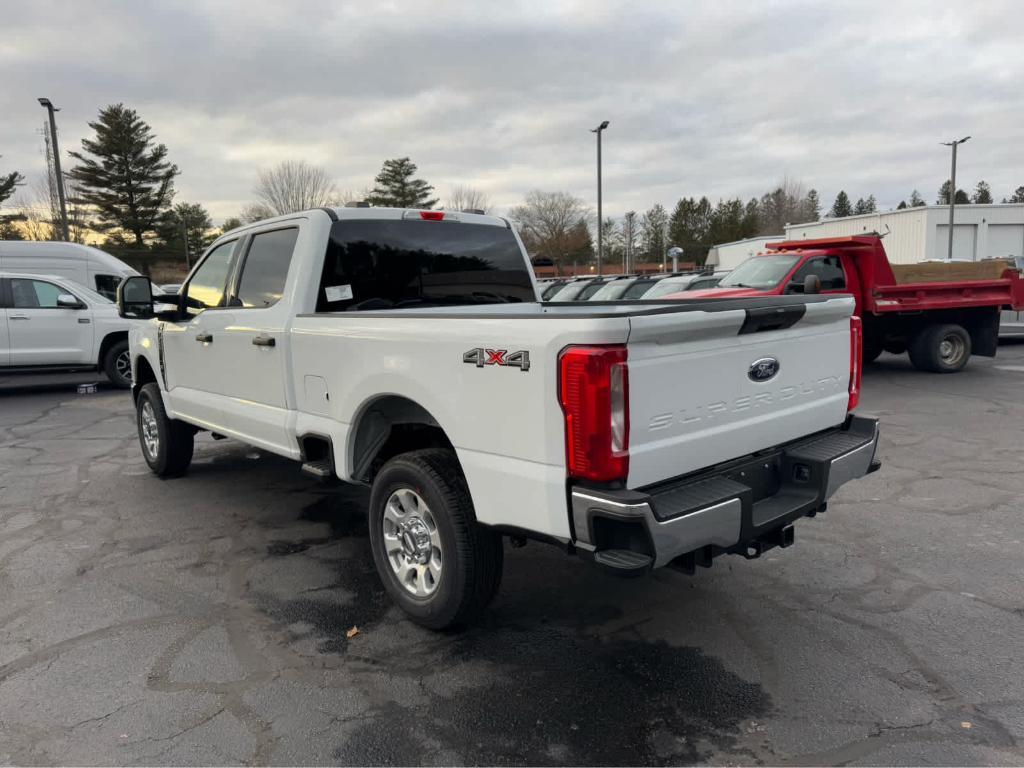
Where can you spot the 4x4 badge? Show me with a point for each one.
(481, 357)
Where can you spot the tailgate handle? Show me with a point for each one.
(772, 318)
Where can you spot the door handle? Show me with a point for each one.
(263, 340)
(205, 338)
(17, 317)
(84, 321)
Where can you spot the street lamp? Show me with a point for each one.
(952, 190)
(600, 221)
(56, 166)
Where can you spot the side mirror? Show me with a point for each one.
(67, 301)
(135, 298)
(812, 284)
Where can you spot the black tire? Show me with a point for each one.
(175, 439)
(872, 349)
(940, 348)
(470, 555)
(114, 365)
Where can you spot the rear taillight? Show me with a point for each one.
(856, 360)
(594, 393)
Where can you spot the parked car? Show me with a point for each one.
(52, 323)
(170, 289)
(614, 289)
(940, 323)
(579, 289)
(407, 350)
(88, 266)
(551, 287)
(677, 283)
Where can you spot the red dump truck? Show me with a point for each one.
(939, 321)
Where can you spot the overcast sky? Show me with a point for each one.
(720, 98)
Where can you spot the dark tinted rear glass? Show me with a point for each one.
(374, 264)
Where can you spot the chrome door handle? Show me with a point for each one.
(263, 340)
(204, 338)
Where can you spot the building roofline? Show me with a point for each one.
(914, 209)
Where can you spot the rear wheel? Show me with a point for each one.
(167, 443)
(117, 364)
(940, 348)
(436, 561)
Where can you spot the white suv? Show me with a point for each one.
(52, 323)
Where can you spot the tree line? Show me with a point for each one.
(122, 187)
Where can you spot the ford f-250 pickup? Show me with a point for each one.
(407, 350)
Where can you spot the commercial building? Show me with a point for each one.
(921, 234)
(731, 255)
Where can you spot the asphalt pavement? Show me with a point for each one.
(206, 620)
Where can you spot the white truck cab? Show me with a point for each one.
(408, 350)
(48, 322)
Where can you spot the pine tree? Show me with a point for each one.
(654, 231)
(123, 175)
(961, 197)
(190, 217)
(916, 201)
(902, 206)
(1017, 196)
(860, 207)
(229, 224)
(751, 223)
(396, 187)
(841, 207)
(982, 193)
(811, 207)
(7, 185)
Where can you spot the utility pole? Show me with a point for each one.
(628, 255)
(184, 229)
(56, 168)
(952, 191)
(600, 221)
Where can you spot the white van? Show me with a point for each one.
(83, 264)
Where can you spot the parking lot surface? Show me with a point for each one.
(205, 619)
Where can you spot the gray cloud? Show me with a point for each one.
(720, 99)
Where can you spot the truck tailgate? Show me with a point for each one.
(700, 392)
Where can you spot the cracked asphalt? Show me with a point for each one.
(203, 620)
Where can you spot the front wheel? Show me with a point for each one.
(117, 364)
(436, 561)
(940, 348)
(167, 443)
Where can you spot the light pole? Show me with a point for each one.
(952, 190)
(56, 167)
(600, 221)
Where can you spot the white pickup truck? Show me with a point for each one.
(407, 350)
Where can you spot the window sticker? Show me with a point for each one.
(338, 292)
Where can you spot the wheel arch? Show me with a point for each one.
(110, 340)
(142, 375)
(386, 426)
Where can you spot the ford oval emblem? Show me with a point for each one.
(763, 369)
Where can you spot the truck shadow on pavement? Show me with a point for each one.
(550, 676)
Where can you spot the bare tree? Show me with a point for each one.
(255, 212)
(290, 186)
(36, 223)
(462, 197)
(549, 224)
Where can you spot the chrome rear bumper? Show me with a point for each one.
(739, 507)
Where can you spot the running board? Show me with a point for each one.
(321, 470)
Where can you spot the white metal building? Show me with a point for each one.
(921, 234)
(731, 255)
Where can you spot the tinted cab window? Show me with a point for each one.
(265, 268)
(829, 270)
(106, 285)
(207, 286)
(383, 264)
